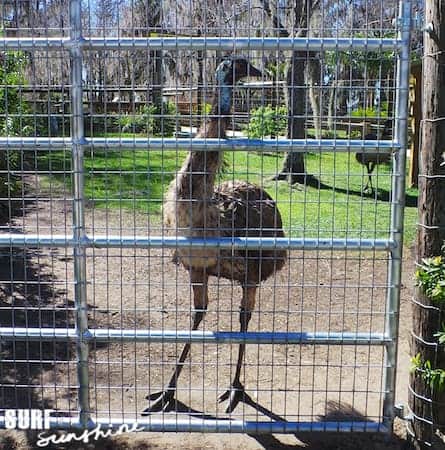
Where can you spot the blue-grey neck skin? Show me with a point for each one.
(224, 99)
(224, 93)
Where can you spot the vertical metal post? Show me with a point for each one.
(397, 210)
(78, 138)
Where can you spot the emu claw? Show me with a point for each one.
(160, 401)
(235, 395)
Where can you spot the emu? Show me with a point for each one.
(195, 207)
(371, 159)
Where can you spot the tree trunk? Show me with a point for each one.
(199, 100)
(157, 78)
(313, 69)
(427, 320)
(431, 230)
(304, 11)
(431, 233)
(293, 163)
(332, 110)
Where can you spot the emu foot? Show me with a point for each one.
(280, 176)
(368, 191)
(160, 401)
(235, 395)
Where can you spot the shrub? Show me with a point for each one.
(381, 113)
(150, 120)
(142, 121)
(166, 124)
(206, 108)
(13, 122)
(434, 378)
(267, 121)
(13, 107)
(430, 277)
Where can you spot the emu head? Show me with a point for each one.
(233, 69)
(228, 73)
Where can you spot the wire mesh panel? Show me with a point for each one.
(231, 179)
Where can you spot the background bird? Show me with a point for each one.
(371, 159)
(194, 207)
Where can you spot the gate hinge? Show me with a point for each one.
(399, 411)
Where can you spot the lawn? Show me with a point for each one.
(136, 180)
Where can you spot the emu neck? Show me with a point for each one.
(216, 126)
(222, 103)
(193, 188)
(196, 179)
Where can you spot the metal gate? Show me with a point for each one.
(301, 357)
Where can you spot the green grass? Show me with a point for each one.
(136, 180)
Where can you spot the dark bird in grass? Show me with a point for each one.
(195, 207)
(371, 159)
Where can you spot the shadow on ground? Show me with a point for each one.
(378, 195)
(31, 297)
(308, 441)
(335, 441)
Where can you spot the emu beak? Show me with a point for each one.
(254, 72)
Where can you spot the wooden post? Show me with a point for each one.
(431, 230)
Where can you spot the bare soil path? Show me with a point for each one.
(142, 289)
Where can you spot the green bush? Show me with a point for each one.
(434, 377)
(206, 108)
(430, 277)
(267, 121)
(142, 121)
(166, 124)
(14, 108)
(381, 113)
(150, 120)
(15, 120)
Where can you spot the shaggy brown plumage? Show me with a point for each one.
(194, 207)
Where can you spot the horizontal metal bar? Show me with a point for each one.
(45, 334)
(239, 144)
(35, 143)
(34, 43)
(204, 43)
(99, 241)
(196, 424)
(221, 337)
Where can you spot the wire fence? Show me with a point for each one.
(123, 220)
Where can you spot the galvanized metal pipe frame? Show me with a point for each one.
(397, 210)
(76, 44)
(79, 256)
(183, 336)
(253, 243)
(232, 144)
(193, 424)
(204, 43)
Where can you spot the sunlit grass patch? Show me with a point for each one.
(133, 179)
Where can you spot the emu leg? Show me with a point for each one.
(235, 393)
(164, 400)
(369, 188)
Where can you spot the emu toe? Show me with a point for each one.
(160, 401)
(368, 190)
(234, 395)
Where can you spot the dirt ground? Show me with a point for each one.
(143, 289)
